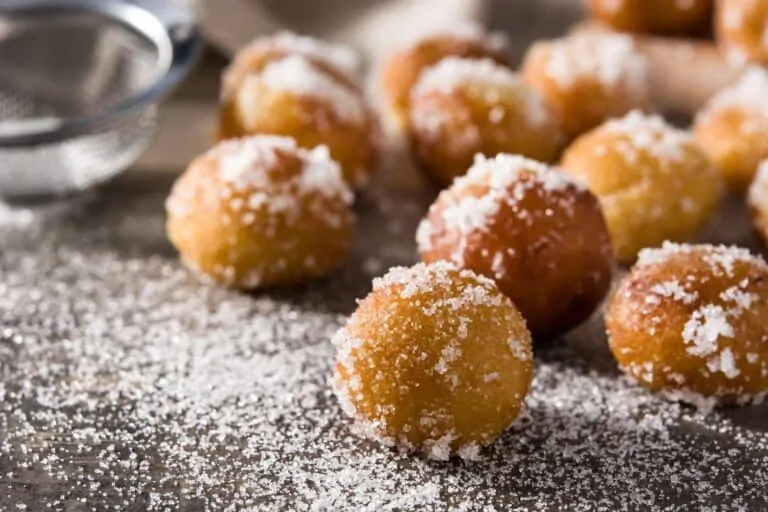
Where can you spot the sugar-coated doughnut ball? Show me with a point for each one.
(741, 28)
(533, 230)
(435, 359)
(402, 69)
(691, 321)
(652, 180)
(758, 200)
(588, 79)
(294, 96)
(733, 128)
(674, 17)
(259, 211)
(462, 107)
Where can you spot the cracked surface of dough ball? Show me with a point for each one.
(434, 359)
(532, 229)
(295, 97)
(402, 69)
(733, 128)
(758, 200)
(259, 211)
(690, 321)
(671, 17)
(741, 28)
(588, 79)
(463, 107)
(653, 182)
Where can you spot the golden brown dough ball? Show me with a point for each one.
(462, 107)
(671, 17)
(588, 79)
(758, 200)
(653, 182)
(537, 233)
(435, 359)
(741, 28)
(402, 69)
(690, 321)
(733, 128)
(259, 211)
(295, 97)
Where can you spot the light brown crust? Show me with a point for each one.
(402, 69)
(585, 99)
(668, 17)
(451, 124)
(736, 149)
(547, 249)
(434, 359)
(653, 182)
(741, 28)
(254, 236)
(692, 321)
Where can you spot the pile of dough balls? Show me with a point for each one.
(307, 90)
(742, 30)
(532, 229)
(260, 211)
(588, 79)
(438, 358)
(653, 181)
(435, 359)
(404, 67)
(733, 128)
(691, 321)
(670, 17)
(463, 107)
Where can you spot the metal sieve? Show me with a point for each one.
(79, 86)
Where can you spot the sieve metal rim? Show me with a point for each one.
(169, 25)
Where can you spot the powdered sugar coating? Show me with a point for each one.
(339, 59)
(747, 96)
(715, 296)
(454, 73)
(650, 134)
(508, 178)
(342, 58)
(612, 60)
(721, 257)
(297, 75)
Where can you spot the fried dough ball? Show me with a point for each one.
(294, 96)
(259, 211)
(758, 200)
(671, 17)
(741, 28)
(462, 107)
(653, 182)
(733, 128)
(435, 359)
(690, 321)
(537, 233)
(402, 69)
(588, 79)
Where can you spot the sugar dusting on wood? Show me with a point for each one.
(125, 383)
